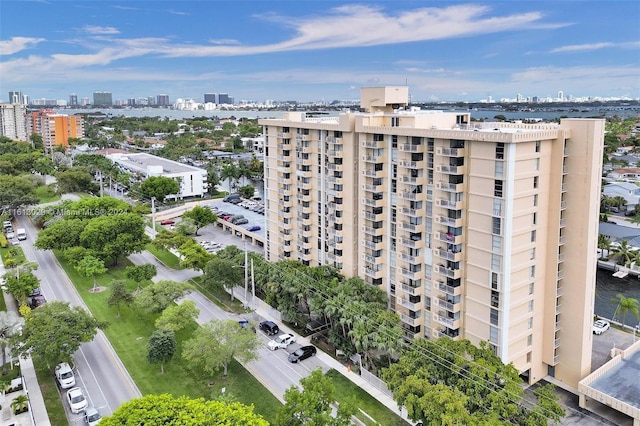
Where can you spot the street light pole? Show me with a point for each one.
(246, 274)
(253, 287)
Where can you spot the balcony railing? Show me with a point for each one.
(411, 243)
(450, 152)
(411, 148)
(410, 259)
(410, 289)
(412, 212)
(453, 291)
(370, 172)
(448, 255)
(454, 170)
(446, 305)
(409, 305)
(406, 195)
(410, 320)
(410, 226)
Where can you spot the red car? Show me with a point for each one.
(168, 222)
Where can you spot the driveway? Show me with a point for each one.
(603, 343)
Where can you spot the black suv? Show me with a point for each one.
(269, 327)
(302, 353)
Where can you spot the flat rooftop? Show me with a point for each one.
(622, 381)
(142, 162)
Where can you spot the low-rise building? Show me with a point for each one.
(192, 180)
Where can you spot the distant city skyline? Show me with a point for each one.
(320, 50)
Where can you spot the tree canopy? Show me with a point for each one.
(76, 179)
(201, 217)
(177, 317)
(54, 331)
(158, 296)
(216, 343)
(168, 410)
(161, 347)
(159, 187)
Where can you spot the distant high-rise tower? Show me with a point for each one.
(73, 100)
(163, 100)
(224, 98)
(16, 98)
(12, 121)
(102, 99)
(561, 96)
(210, 98)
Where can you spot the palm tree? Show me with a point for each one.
(626, 305)
(624, 252)
(20, 403)
(619, 201)
(604, 243)
(10, 325)
(229, 171)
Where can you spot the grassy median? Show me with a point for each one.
(129, 333)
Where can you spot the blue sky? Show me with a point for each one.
(319, 50)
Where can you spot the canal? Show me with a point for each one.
(607, 286)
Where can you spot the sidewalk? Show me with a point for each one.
(38, 410)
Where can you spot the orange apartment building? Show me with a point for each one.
(482, 231)
(55, 129)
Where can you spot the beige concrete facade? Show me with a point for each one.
(474, 230)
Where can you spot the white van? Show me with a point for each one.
(21, 234)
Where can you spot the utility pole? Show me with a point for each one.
(153, 215)
(101, 188)
(246, 273)
(253, 289)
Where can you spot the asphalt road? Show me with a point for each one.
(272, 369)
(99, 372)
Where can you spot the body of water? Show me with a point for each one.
(607, 286)
(623, 112)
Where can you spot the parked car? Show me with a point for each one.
(231, 197)
(36, 301)
(241, 221)
(269, 327)
(168, 222)
(77, 401)
(282, 341)
(91, 416)
(64, 375)
(253, 228)
(236, 218)
(600, 326)
(236, 201)
(302, 353)
(247, 325)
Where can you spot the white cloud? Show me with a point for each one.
(595, 46)
(17, 44)
(95, 29)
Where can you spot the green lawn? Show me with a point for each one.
(13, 251)
(51, 395)
(345, 388)
(46, 194)
(219, 296)
(128, 335)
(164, 256)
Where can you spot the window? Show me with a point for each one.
(535, 200)
(530, 288)
(495, 299)
(536, 164)
(532, 271)
(534, 218)
(496, 225)
(493, 334)
(496, 243)
(494, 280)
(537, 146)
(528, 356)
(533, 236)
(530, 323)
(535, 182)
(493, 317)
(495, 262)
(529, 339)
(497, 188)
(532, 254)
(530, 306)
(499, 151)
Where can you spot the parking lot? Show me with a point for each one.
(603, 343)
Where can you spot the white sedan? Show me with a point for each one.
(282, 341)
(77, 401)
(600, 326)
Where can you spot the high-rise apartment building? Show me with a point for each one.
(102, 99)
(55, 129)
(162, 100)
(12, 121)
(481, 231)
(210, 98)
(73, 100)
(16, 97)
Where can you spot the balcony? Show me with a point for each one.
(406, 195)
(450, 187)
(336, 153)
(371, 158)
(371, 216)
(556, 343)
(371, 188)
(558, 310)
(410, 226)
(332, 257)
(412, 290)
(413, 212)
(412, 180)
(453, 205)
(407, 147)
(410, 320)
(284, 135)
(449, 238)
(285, 192)
(373, 203)
(411, 164)
(288, 203)
(306, 161)
(448, 306)
(402, 301)
(452, 170)
(448, 272)
(372, 231)
(412, 275)
(410, 259)
(333, 166)
(447, 289)
(300, 137)
(450, 152)
(335, 180)
(304, 173)
(448, 255)
(370, 172)
(444, 220)
(284, 157)
(449, 322)
(373, 272)
(373, 144)
(372, 245)
(406, 242)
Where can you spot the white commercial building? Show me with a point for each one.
(13, 123)
(192, 180)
